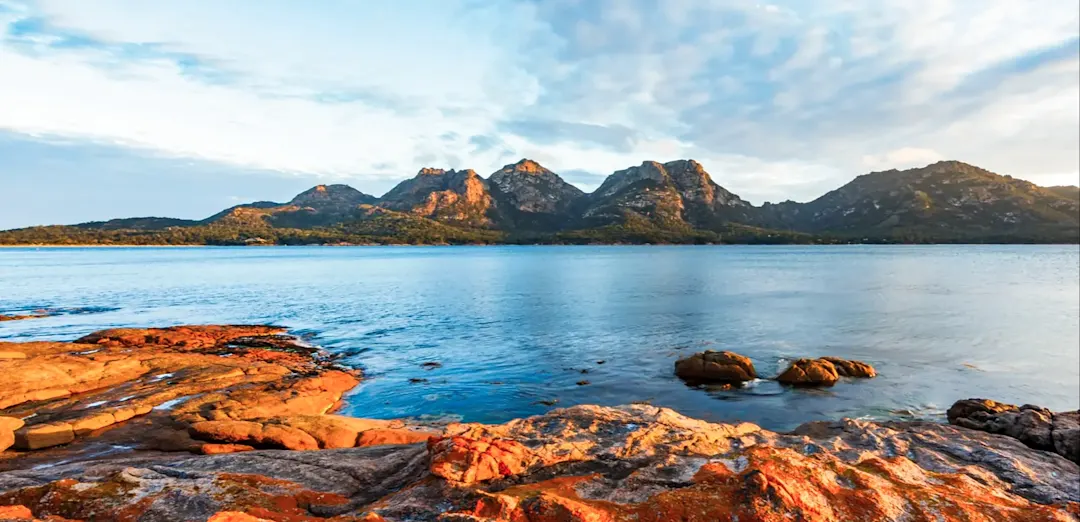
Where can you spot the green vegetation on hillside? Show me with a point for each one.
(671, 203)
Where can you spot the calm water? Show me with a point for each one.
(516, 325)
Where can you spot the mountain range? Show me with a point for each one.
(674, 202)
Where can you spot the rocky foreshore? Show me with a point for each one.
(235, 423)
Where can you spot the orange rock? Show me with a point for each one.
(810, 372)
(7, 439)
(710, 366)
(220, 449)
(254, 434)
(313, 395)
(86, 425)
(190, 374)
(191, 337)
(235, 516)
(848, 368)
(15, 513)
(8, 425)
(379, 437)
(330, 431)
(467, 460)
(43, 435)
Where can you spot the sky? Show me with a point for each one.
(114, 108)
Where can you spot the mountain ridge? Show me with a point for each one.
(673, 202)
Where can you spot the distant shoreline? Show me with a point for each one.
(536, 244)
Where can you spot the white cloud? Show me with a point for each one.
(902, 158)
(785, 99)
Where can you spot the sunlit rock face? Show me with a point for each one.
(585, 463)
(673, 194)
(534, 197)
(453, 196)
(944, 199)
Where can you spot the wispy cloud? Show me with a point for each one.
(780, 99)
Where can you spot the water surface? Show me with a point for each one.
(514, 327)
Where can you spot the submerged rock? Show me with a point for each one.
(720, 367)
(1035, 426)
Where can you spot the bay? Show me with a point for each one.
(515, 328)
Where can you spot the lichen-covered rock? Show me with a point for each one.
(236, 516)
(174, 377)
(467, 460)
(848, 368)
(711, 366)
(15, 513)
(633, 463)
(1037, 427)
(810, 372)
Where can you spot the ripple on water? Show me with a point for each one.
(520, 316)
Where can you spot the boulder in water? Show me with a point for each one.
(710, 366)
(810, 372)
(848, 368)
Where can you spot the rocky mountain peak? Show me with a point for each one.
(529, 166)
(529, 188)
(459, 196)
(331, 195)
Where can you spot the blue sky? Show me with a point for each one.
(124, 107)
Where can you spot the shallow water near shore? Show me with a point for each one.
(516, 328)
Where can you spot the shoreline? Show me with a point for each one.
(41, 246)
(237, 424)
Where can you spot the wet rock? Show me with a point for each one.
(847, 368)
(1034, 426)
(810, 372)
(720, 367)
